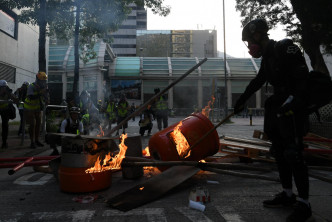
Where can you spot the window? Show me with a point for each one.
(8, 23)
(7, 73)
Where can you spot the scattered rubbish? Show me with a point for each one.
(199, 194)
(196, 205)
(85, 199)
(212, 182)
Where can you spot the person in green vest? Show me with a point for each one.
(21, 94)
(6, 96)
(161, 110)
(37, 97)
(111, 111)
(123, 110)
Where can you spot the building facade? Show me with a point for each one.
(124, 39)
(19, 49)
(176, 43)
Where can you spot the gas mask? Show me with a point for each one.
(255, 50)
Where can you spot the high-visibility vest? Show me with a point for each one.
(32, 104)
(111, 110)
(122, 109)
(161, 104)
(4, 106)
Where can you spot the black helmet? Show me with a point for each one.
(74, 110)
(256, 25)
(156, 90)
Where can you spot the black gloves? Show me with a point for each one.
(239, 105)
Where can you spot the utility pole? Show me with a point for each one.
(226, 106)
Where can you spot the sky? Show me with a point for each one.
(207, 14)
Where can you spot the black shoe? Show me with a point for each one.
(33, 145)
(39, 144)
(4, 146)
(280, 200)
(302, 213)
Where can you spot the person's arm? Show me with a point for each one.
(81, 127)
(63, 126)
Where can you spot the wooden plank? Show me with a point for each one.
(83, 136)
(244, 145)
(248, 141)
(153, 188)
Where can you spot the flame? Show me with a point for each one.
(180, 140)
(101, 134)
(207, 109)
(110, 162)
(141, 188)
(146, 151)
(202, 161)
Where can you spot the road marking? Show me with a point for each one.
(76, 216)
(153, 214)
(24, 180)
(229, 214)
(193, 215)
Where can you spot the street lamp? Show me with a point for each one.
(226, 107)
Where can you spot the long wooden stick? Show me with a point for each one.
(209, 132)
(150, 101)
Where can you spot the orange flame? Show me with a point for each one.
(180, 140)
(146, 151)
(207, 109)
(101, 134)
(110, 163)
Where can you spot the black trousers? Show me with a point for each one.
(21, 112)
(147, 127)
(286, 134)
(5, 126)
(162, 119)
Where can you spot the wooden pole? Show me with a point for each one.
(150, 101)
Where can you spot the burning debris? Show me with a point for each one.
(181, 142)
(207, 109)
(110, 162)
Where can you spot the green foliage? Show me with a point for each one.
(297, 17)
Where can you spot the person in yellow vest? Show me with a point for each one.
(21, 94)
(111, 111)
(161, 110)
(37, 97)
(123, 110)
(6, 96)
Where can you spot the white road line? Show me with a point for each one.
(24, 180)
(153, 214)
(229, 214)
(76, 216)
(193, 215)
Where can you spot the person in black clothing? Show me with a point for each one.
(285, 121)
(160, 109)
(146, 122)
(21, 94)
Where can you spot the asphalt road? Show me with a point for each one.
(34, 196)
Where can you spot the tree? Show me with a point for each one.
(307, 22)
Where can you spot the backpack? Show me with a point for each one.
(319, 85)
(319, 91)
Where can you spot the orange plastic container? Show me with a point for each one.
(75, 180)
(162, 146)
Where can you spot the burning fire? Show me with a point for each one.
(101, 134)
(207, 109)
(109, 162)
(146, 151)
(181, 142)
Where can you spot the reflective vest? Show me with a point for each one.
(161, 104)
(4, 106)
(122, 109)
(32, 104)
(86, 119)
(111, 110)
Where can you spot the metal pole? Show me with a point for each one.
(226, 106)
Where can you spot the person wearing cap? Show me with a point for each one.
(111, 111)
(21, 94)
(285, 122)
(37, 97)
(123, 109)
(160, 110)
(6, 96)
